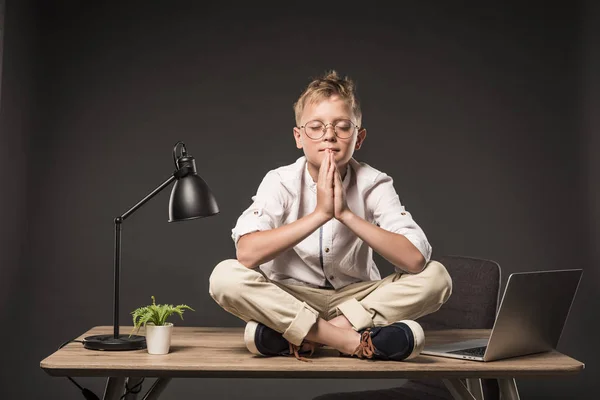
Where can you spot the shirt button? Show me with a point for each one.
(403, 213)
(331, 277)
(326, 249)
(255, 212)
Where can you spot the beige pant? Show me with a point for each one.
(292, 309)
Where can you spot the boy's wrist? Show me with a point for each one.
(321, 217)
(346, 215)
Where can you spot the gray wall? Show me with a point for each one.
(476, 112)
(17, 121)
(2, 3)
(588, 345)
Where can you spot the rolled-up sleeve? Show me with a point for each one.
(266, 211)
(391, 215)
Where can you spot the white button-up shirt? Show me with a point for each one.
(332, 256)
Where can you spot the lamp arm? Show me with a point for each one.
(145, 199)
(178, 174)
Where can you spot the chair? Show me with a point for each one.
(472, 305)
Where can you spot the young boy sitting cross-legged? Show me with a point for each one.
(304, 274)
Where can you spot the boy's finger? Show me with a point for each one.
(333, 161)
(324, 162)
(324, 168)
(338, 177)
(325, 165)
(330, 172)
(334, 177)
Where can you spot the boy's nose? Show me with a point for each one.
(329, 132)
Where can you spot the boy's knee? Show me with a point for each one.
(440, 282)
(223, 279)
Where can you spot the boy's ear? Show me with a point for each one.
(298, 137)
(360, 138)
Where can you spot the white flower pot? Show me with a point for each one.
(158, 338)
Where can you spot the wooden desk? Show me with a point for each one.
(221, 353)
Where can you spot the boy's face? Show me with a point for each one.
(329, 111)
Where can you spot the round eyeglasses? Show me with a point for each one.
(343, 128)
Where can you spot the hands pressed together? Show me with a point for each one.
(331, 198)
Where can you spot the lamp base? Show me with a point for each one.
(110, 343)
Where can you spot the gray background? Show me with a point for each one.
(486, 117)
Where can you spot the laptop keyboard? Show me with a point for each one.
(475, 351)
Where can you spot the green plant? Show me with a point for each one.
(156, 314)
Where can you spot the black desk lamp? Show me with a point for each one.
(191, 198)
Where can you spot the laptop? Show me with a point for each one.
(530, 319)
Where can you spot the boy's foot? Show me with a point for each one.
(264, 341)
(399, 341)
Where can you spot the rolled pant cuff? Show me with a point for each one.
(298, 329)
(356, 314)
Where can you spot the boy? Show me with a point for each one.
(304, 274)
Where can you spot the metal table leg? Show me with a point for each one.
(157, 388)
(458, 389)
(115, 387)
(474, 386)
(508, 389)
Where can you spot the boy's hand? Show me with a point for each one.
(340, 206)
(325, 186)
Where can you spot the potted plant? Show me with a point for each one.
(158, 330)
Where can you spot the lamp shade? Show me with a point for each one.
(191, 197)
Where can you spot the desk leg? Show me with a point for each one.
(115, 387)
(508, 389)
(131, 383)
(458, 389)
(474, 386)
(157, 388)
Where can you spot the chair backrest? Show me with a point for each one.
(475, 295)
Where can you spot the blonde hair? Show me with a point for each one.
(326, 86)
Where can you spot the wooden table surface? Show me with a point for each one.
(205, 352)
